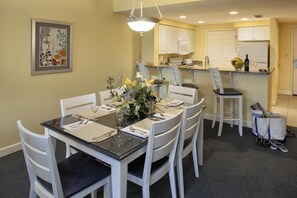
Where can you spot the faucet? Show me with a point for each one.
(206, 61)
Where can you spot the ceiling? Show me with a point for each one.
(217, 11)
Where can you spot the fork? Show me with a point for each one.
(137, 130)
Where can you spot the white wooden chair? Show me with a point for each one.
(76, 176)
(146, 76)
(105, 97)
(159, 157)
(186, 94)
(187, 142)
(75, 105)
(177, 78)
(225, 93)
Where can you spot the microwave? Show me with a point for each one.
(183, 47)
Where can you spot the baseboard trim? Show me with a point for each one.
(283, 92)
(244, 123)
(10, 149)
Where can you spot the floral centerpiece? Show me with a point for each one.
(135, 99)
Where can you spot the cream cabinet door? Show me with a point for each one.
(189, 35)
(162, 39)
(261, 33)
(172, 40)
(245, 34)
(169, 37)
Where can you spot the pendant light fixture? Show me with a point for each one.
(142, 24)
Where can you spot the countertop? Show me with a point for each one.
(201, 68)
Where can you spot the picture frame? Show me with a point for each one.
(51, 47)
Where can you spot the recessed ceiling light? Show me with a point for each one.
(182, 17)
(244, 19)
(233, 12)
(200, 22)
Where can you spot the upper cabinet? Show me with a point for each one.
(163, 39)
(261, 33)
(169, 38)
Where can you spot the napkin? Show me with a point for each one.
(175, 103)
(76, 125)
(164, 116)
(106, 108)
(137, 131)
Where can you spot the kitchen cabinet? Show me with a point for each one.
(172, 40)
(261, 33)
(169, 37)
(162, 39)
(189, 35)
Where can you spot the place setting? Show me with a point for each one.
(97, 111)
(142, 128)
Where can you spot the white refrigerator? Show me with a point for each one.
(258, 54)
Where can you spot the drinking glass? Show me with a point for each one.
(94, 109)
(119, 117)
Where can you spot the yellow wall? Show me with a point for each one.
(274, 61)
(286, 57)
(103, 45)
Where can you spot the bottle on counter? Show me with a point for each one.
(246, 63)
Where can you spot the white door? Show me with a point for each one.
(295, 61)
(221, 48)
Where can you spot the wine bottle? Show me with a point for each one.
(246, 63)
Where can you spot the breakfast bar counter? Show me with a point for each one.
(255, 86)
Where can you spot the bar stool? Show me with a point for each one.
(177, 79)
(225, 93)
(145, 74)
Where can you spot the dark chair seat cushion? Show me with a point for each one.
(78, 172)
(187, 142)
(190, 85)
(136, 167)
(228, 91)
(158, 81)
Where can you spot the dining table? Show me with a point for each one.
(115, 147)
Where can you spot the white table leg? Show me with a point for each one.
(47, 133)
(119, 179)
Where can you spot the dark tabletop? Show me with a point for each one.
(118, 146)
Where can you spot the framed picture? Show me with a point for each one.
(51, 47)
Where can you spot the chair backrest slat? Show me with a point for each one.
(105, 97)
(143, 71)
(186, 94)
(77, 104)
(39, 160)
(176, 75)
(216, 79)
(163, 151)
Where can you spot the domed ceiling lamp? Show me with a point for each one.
(142, 24)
